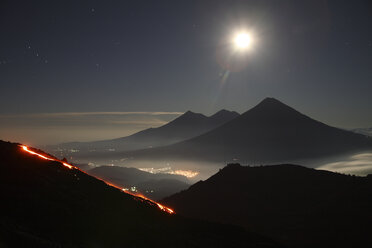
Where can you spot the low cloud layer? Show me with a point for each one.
(53, 128)
(358, 164)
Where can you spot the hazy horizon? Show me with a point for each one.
(61, 127)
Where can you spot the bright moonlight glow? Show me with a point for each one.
(243, 40)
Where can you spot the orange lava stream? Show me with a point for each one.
(142, 197)
(25, 148)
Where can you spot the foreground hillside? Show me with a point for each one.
(297, 206)
(46, 204)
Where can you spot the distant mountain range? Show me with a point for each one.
(154, 186)
(186, 126)
(270, 132)
(294, 205)
(45, 205)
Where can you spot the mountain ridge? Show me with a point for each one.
(270, 132)
(186, 126)
(295, 205)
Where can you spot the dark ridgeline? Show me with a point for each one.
(155, 186)
(269, 132)
(294, 205)
(44, 204)
(186, 126)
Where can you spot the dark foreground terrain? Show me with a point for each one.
(45, 204)
(297, 206)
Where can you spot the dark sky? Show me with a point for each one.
(107, 56)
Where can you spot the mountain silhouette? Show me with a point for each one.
(268, 133)
(154, 186)
(297, 206)
(184, 127)
(46, 204)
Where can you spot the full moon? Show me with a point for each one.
(242, 40)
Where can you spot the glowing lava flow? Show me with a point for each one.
(142, 197)
(45, 157)
(164, 208)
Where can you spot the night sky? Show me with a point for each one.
(107, 58)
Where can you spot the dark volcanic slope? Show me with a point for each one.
(44, 204)
(297, 206)
(154, 186)
(269, 132)
(186, 126)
